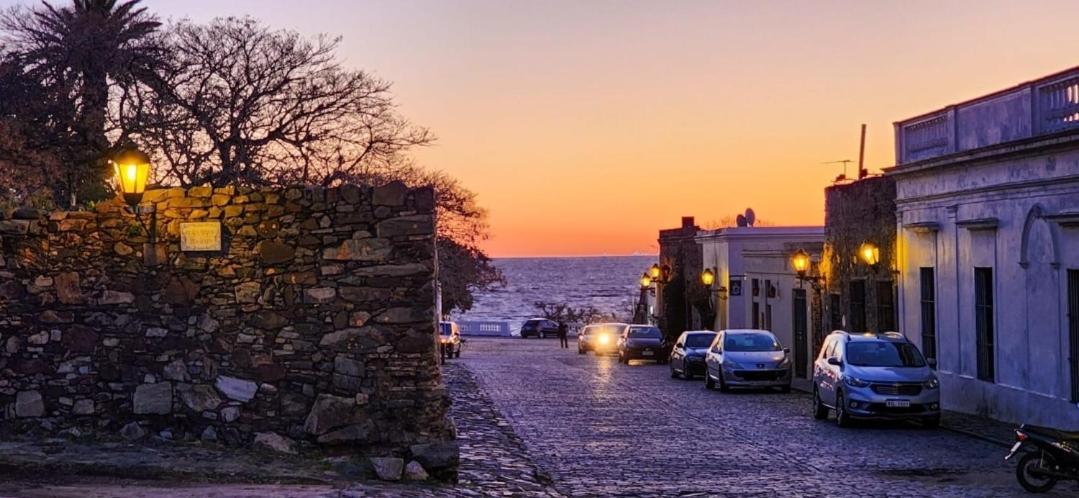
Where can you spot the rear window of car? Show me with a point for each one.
(533, 324)
(644, 333)
(699, 340)
(445, 328)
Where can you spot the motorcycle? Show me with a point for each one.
(1054, 457)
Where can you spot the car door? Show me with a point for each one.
(714, 356)
(678, 353)
(827, 377)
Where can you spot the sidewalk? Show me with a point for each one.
(986, 429)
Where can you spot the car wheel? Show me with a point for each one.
(685, 373)
(820, 412)
(579, 350)
(674, 374)
(457, 354)
(708, 382)
(842, 419)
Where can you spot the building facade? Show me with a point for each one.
(858, 296)
(987, 197)
(755, 286)
(677, 304)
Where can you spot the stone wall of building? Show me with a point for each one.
(314, 326)
(858, 212)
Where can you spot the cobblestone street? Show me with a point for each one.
(601, 428)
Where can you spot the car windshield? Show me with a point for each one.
(445, 329)
(699, 340)
(751, 342)
(883, 354)
(644, 333)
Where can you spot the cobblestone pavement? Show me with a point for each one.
(602, 428)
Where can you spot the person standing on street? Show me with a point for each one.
(562, 332)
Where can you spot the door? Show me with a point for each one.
(801, 331)
(1073, 331)
(711, 362)
(824, 376)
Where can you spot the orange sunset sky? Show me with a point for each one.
(585, 126)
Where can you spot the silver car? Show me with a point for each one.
(747, 358)
(874, 376)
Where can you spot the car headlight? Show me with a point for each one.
(932, 383)
(603, 339)
(855, 382)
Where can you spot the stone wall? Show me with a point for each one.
(313, 328)
(856, 213)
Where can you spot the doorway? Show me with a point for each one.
(801, 330)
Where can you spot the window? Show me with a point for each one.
(885, 307)
(756, 315)
(857, 306)
(768, 316)
(1073, 330)
(836, 311)
(929, 312)
(983, 321)
(756, 287)
(801, 327)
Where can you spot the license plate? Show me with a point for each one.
(1015, 448)
(897, 403)
(646, 353)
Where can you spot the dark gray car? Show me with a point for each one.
(641, 342)
(688, 352)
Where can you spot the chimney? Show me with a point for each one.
(687, 222)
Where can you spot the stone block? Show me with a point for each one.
(80, 339)
(200, 398)
(388, 468)
(14, 227)
(390, 194)
(330, 412)
(236, 389)
(415, 472)
(368, 250)
(248, 292)
(132, 431)
(421, 224)
(83, 407)
(29, 404)
(275, 442)
(344, 365)
(67, 288)
(273, 253)
(153, 399)
(438, 455)
(319, 295)
(270, 320)
(406, 315)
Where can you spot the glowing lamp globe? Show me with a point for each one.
(646, 281)
(132, 172)
(655, 272)
(870, 253)
(708, 277)
(800, 262)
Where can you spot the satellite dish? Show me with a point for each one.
(741, 220)
(751, 217)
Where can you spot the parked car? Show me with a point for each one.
(449, 340)
(539, 327)
(641, 342)
(600, 338)
(747, 358)
(688, 352)
(874, 376)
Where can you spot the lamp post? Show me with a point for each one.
(132, 168)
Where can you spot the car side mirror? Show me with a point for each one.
(786, 350)
(835, 361)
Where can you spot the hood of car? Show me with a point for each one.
(888, 374)
(751, 359)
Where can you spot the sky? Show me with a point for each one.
(586, 126)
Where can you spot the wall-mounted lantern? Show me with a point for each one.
(646, 281)
(869, 253)
(708, 277)
(801, 264)
(132, 168)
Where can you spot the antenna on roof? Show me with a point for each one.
(844, 175)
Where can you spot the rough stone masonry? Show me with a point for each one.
(312, 329)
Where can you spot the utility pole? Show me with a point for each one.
(862, 173)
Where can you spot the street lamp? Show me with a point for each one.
(132, 168)
(870, 253)
(708, 277)
(801, 263)
(646, 281)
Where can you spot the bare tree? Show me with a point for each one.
(240, 103)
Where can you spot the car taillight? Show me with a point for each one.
(1019, 436)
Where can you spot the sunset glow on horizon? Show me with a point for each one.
(586, 126)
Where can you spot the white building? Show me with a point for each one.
(987, 198)
(756, 287)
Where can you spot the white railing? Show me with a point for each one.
(490, 329)
(1042, 107)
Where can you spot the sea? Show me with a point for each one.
(608, 283)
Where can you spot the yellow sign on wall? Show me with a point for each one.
(200, 237)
